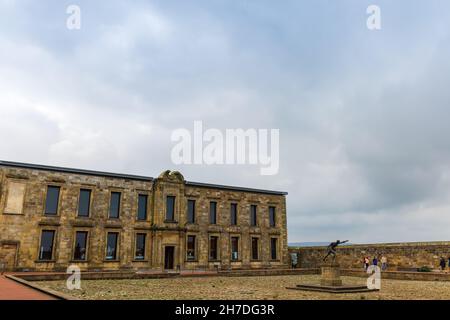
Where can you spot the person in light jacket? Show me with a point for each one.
(366, 263)
(383, 263)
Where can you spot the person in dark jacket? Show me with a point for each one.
(442, 264)
(375, 261)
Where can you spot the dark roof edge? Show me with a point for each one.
(129, 176)
(219, 186)
(72, 170)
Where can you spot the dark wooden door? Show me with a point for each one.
(168, 257)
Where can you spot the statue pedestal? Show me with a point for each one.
(331, 282)
(331, 275)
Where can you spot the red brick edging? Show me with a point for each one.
(47, 291)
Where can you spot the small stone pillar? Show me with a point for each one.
(331, 274)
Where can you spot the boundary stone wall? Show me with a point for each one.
(407, 256)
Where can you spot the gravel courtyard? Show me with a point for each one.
(264, 287)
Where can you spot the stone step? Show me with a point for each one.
(332, 289)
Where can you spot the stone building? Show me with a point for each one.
(53, 217)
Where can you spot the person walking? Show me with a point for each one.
(366, 263)
(442, 264)
(375, 261)
(383, 263)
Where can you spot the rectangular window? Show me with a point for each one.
(190, 253)
(46, 247)
(255, 248)
(233, 218)
(84, 203)
(191, 211)
(234, 248)
(253, 211)
(142, 207)
(170, 208)
(272, 216)
(213, 248)
(140, 246)
(111, 246)
(80, 245)
(51, 203)
(213, 212)
(114, 206)
(273, 248)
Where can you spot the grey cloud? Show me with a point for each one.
(362, 116)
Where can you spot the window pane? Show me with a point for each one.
(213, 248)
(234, 248)
(253, 220)
(190, 253)
(46, 248)
(170, 208)
(255, 248)
(114, 207)
(272, 216)
(140, 246)
(142, 207)
(51, 203)
(213, 212)
(84, 203)
(80, 245)
(273, 248)
(191, 211)
(233, 214)
(111, 246)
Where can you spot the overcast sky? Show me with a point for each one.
(363, 115)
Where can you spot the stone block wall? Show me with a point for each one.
(401, 256)
(23, 227)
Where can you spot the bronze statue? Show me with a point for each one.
(332, 249)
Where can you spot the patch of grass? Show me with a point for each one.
(424, 269)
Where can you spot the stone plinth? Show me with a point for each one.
(331, 282)
(331, 275)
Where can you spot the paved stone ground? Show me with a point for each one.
(12, 290)
(264, 287)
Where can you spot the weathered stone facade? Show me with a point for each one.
(23, 194)
(400, 256)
